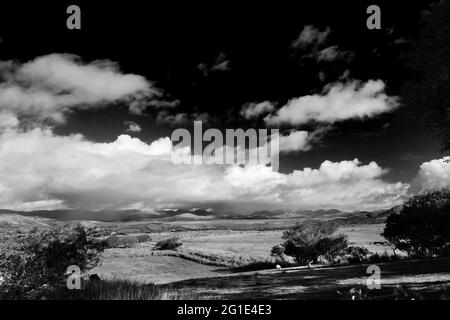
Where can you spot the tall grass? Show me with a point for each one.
(117, 289)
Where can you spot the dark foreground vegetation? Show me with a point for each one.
(40, 260)
(422, 228)
(34, 266)
(117, 290)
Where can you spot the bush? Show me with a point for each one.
(112, 241)
(278, 252)
(384, 257)
(308, 241)
(355, 254)
(42, 257)
(332, 247)
(143, 238)
(121, 241)
(422, 228)
(168, 244)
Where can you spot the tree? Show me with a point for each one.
(428, 90)
(278, 252)
(42, 257)
(422, 227)
(331, 247)
(306, 242)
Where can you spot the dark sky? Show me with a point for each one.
(176, 46)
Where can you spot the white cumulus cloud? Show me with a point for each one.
(296, 140)
(433, 175)
(49, 86)
(337, 102)
(132, 127)
(311, 35)
(253, 110)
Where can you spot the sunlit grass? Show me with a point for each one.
(119, 290)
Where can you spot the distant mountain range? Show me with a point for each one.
(192, 214)
(282, 214)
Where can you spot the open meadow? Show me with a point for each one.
(402, 279)
(207, 253)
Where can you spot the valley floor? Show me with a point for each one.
(426, 278)
(219, 246)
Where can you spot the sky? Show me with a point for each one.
(86, 115)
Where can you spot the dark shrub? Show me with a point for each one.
(306, 242)
(356, 254)
(112, 241)
(332, 247)
(128, 241)
(278, 252)
(143, 238)
(168, 244)
(384, 257)
(422, 228)
(119, 241)
(42, 257)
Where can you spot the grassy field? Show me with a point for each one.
(230, 248)
(244, 244)
(367, 236)
(154, 269)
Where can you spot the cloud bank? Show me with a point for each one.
(71, 172)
